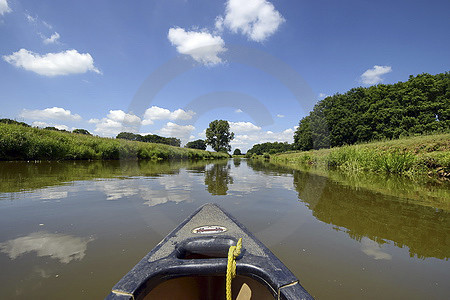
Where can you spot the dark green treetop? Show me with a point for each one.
(218, 135)
(197, 144)
(81, 131)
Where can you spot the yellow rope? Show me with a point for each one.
(233, 252)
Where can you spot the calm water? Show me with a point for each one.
(72, 230)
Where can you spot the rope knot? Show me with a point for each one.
(233, 253)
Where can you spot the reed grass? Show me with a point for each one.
(27, 143)
(410, 156)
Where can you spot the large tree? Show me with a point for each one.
(218, 135)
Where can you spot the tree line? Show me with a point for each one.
(149, 138)
(420, 105)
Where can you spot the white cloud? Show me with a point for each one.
(4, 7)
(280, 116)
(47, 25)
(44, 124)
(53, 64)
(55, 113)
(115, 122)
(30, 18)
(52, 39)
(247, 140)
(238, 127)
(40, 124)
(182, 132)
(202, 46)
(373, 76)
(323, 95)
(61, 127)
(158, 113)
(64, 248)
(257, 19)
(238, 110)
(122, 117)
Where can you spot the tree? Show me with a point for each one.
(81, 131)
(9, 121)
(384, 111)
(197, 144)
(129, 136)
(237, 151)
(55, 129)
(218, 136)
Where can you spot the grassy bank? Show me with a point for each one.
(26, 143)
(421, 155)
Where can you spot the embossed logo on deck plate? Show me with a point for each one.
(209, 229)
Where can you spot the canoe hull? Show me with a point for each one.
(198, 247)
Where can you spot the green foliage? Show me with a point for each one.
(237, 151)
(218, 136)
(9, 121)
(271, 148)
(412, 156)
(420, 105)
(81, 131)
(54, 128)
(197, 144)
(150, 138)
(18, 142)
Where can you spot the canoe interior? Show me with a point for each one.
(208, 287)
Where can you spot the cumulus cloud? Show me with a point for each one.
(4, 7)
(53, 64)
(238, 127)
(158, 113)
(182, 132)
(280, 116)
(53, 113)
(44, 124)
(115, 122)
(257, 19)
(246, 140)
(123, 117)
(202, 46)
(373, 76)
(238, 111)
(52, 39)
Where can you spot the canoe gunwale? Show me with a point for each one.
(267, 269)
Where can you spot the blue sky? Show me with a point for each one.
(258, 64)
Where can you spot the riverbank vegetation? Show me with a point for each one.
(408, 156)
(418, 106)
(19, 142)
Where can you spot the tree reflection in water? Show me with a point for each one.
(365, 214)
(217, 178)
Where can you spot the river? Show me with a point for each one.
(71, 230)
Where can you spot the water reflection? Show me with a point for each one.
(217, 178)
(27, 176)
(373, 249)
(64, 248)
(365, 214)
(236, 162)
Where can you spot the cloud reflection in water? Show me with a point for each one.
(371, 248)
(62, 247)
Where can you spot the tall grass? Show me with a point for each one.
(411, 156)
(26, 143)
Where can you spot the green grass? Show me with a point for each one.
(408, 156)
(26, 143)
